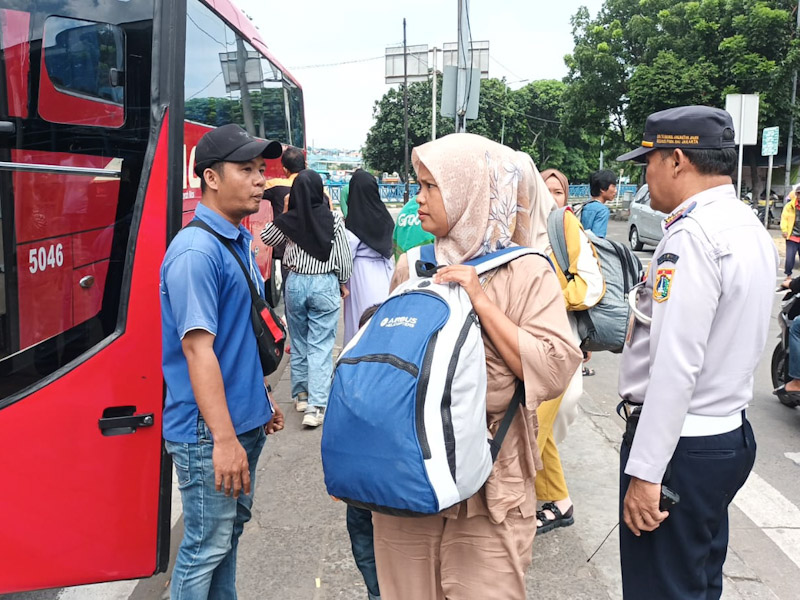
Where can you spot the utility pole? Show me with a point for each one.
(788, 175)
(505, 107)
(602, 139)
(433, 101)
(405, 108)
(462, 83)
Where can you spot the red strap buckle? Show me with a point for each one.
(274, 329)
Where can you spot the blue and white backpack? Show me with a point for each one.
(405, 428)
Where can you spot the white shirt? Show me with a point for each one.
(714, 277)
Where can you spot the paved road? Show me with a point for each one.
(296, 547)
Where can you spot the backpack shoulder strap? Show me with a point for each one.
(497, 441)
(558, 238)
(424, 254)
(254, 293)
(490, 261)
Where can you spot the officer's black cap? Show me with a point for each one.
(685, 127)
(231, 143)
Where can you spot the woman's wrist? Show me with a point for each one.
(480, 301)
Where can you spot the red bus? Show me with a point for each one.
(101, 106)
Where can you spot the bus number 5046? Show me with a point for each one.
(41, 258)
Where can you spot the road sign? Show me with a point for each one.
(744, 110)
(449, 92)
(769, 141)
(417, 63)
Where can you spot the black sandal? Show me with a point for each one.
(560, 519)
(787, 398)
(587, 372)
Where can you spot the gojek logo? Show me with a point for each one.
(399, 322)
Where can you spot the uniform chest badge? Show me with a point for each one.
(663, 284)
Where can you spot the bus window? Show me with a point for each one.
(70, 181)
(83, 67)
(219, 64)
(274, 116)
(296, 115)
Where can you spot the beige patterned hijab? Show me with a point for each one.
(493, 196)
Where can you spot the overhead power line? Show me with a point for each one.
(524, 114)
(505, 68)
(336, 64)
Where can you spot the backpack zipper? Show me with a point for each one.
(422, 389)
(389, 359)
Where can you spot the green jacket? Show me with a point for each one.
(408, 232)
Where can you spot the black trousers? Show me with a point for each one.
(683, 558)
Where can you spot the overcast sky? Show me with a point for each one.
(528, 40)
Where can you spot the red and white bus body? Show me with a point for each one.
(101, 107)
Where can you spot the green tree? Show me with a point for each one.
(528, 119)
(383, 150)
(537, 126)
(640, 56)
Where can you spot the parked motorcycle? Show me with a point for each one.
(761, 207)
(790, 308)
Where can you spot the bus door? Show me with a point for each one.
(82, 232)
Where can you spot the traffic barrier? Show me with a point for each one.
(390, 192)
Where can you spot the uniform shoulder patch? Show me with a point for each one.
(663, 284)
(667, 257)
(677, 216)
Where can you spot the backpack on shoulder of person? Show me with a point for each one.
(605, 325)
(405, 427)
(577, 208)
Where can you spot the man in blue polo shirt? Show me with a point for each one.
(595, 213)
(217, 406)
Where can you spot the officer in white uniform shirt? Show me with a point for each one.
(687, 367)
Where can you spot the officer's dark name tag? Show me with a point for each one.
(667, 257)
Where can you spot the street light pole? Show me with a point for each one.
(602, 139)
(505, 106)
(405, 108)
(462, 91)
(788, 175)
(433, 102)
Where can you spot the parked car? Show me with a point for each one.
(644, 223)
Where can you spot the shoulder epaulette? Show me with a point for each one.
(675, 217)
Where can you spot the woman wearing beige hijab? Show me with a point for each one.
(477, 196)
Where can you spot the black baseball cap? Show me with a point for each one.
(685, 127)
(231, 143)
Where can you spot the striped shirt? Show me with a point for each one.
(298, 260)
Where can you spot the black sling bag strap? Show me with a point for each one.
(513, 406)
(269, 331)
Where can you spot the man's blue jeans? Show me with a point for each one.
(205, 568)
(359, 526)
(312, 311)
(794, 349)
(792, 249)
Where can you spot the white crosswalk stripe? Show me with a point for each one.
(770, 510)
